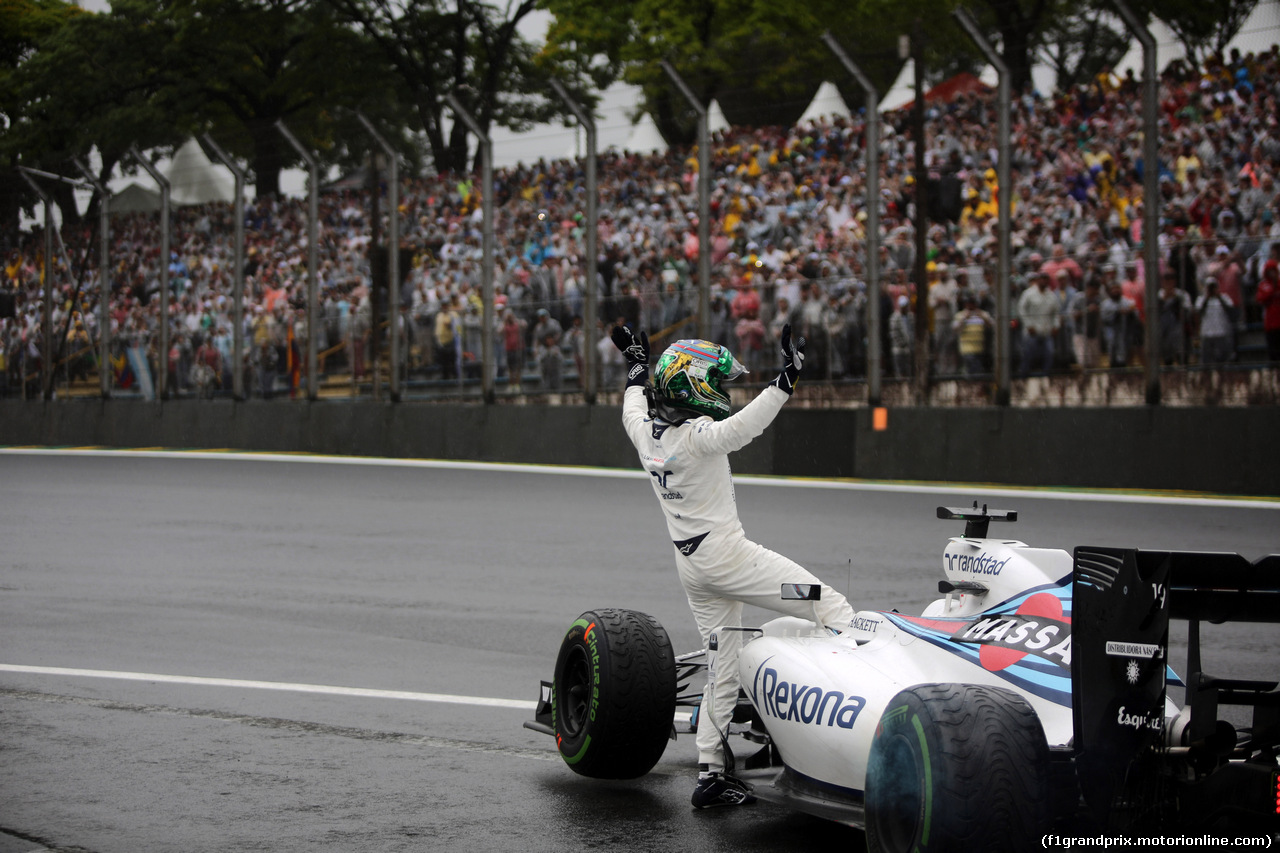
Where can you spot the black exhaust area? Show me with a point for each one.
(1120, 641)
(1134, 769)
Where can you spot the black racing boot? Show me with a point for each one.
(717, 789)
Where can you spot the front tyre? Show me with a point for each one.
(957, 767)
(614, 694)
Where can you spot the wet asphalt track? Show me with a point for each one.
(416, 579)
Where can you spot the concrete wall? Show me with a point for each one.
(1227, 450)
(1203, 449)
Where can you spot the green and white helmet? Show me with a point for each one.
(690, 376)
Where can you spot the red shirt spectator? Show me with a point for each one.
(1226, 268)
(745, 304)
(1134, 288)
(1269, 298)
(1060, 261)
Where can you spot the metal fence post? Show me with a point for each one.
(162, 359)
(393, 252)
(1150, 198)
(591, 308)
(104, 276)
(237, 304)
(1003, 103)
(704, 201)
(46, 316)
(488, 366)
(313, 258)
(875, 347)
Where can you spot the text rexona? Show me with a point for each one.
(804, 703)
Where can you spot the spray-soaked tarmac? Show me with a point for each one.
(348, 651)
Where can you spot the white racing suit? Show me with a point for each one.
(720, 568)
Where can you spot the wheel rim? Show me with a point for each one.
(577, 692)
(898, 795)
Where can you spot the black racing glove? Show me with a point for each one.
(792, 361)
(635, 351)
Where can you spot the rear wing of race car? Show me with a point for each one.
(1123, 600)
(976, 520)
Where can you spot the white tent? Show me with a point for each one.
(903, 90)
(195, 179)
(645, 137)
(715, 118)
(826, 103)
(135, 198)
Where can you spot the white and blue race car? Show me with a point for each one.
(1031, 697)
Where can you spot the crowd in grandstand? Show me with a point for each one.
(788, 235)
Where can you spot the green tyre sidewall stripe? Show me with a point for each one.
(928, 779)
(577, 756)
(572, 758)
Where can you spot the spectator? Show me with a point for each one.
(1268, 297)
(207, 371)
(943, 294)
(471, 325)
(835, 331)
(550, 362)
(902, 338)
(972, 326)
(1086, 324)
(575, 343)
(1059, 262)
(545, 326)
(1078, 201)
(1118, 316)
(1217, 327)
(1174, 319)
(782, 316)
(513, 347)
(750, 333)
(446, 334)
(610, 359)
(1228, 271)
(1039, 313)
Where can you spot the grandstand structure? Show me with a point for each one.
(788, 242)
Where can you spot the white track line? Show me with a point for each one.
(976, 491)
(325, 689)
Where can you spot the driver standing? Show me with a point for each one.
(683, 434)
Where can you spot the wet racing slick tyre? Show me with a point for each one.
(957, 767)
(614, 695)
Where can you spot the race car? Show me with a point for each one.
(1031, 697)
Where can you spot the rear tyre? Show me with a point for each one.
(614, 694)
(957, 767)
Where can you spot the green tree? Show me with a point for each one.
(95, 82)
(1020, 24)
(1203, 28)
(153, 74)
(1079, 47)
(761, 61)
(26, 24)
(470, 49)
(240, 66)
